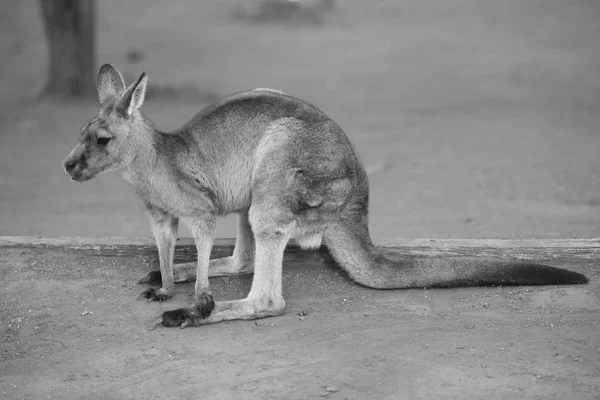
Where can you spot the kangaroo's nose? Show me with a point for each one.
(70, 165)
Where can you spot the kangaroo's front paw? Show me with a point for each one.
(154, 294)
(153, 278)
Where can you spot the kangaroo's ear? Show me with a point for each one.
(133, 97)
(109, 83)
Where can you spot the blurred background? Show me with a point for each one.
(475, 118)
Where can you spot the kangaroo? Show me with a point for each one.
(288, 170)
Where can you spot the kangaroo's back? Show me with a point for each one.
(243, 117)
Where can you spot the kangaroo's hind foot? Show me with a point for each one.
(199, 314)
(198, 311)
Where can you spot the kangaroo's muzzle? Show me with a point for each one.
(77, 168)
(76, 163)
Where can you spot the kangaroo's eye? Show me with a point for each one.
(102, 141)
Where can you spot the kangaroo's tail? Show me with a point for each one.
(350, 245)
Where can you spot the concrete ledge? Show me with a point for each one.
(546, 249)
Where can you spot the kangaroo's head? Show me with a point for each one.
(110, 140)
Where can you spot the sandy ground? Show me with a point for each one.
(480, 119)
(72, 329)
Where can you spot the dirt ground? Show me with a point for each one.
(72, 329)
(479, 119)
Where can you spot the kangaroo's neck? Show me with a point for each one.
(142, 149)
(167, 172)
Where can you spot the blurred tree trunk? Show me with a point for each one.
(70, 33)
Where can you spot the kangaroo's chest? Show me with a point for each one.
(175, 196)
